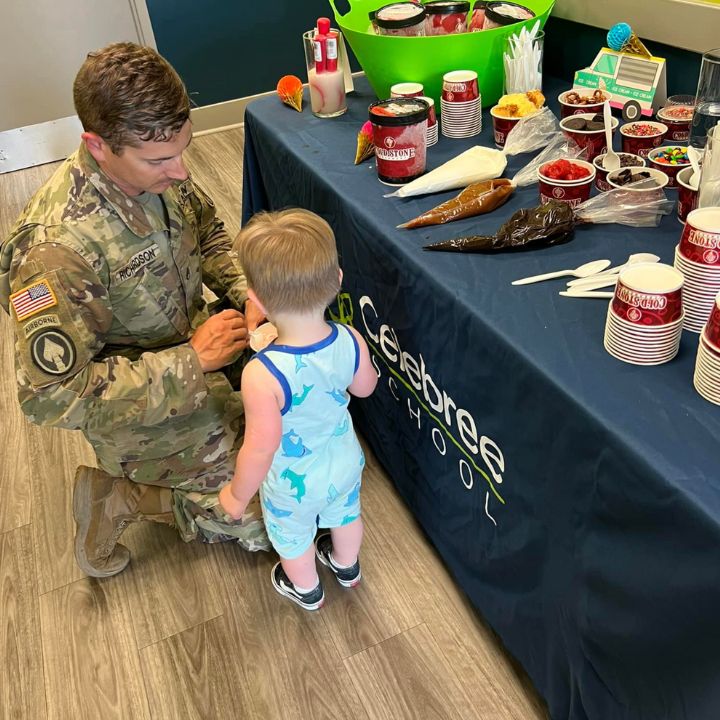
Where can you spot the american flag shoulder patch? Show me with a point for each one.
(33, 299)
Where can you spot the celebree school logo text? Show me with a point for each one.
(640, 300)
(452, 424)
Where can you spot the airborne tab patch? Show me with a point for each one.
(33, 299)
(41, 322)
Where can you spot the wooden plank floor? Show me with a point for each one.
(196, 631)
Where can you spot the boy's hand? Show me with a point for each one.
(230, 504)
(253, 315)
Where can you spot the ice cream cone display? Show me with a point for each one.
(621, 38)
(365, 146)
(290, 90)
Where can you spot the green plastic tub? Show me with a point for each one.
(388, 60)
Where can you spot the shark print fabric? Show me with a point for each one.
(315, 476)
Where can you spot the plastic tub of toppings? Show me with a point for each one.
(477, 17)
(575, 102)
(639, 138)
(500, 14)
(671, 159)
(445, 17)
(567, 181)
(402, 19)
(388, 59)
(399, 135)
(588, 131)
(626, 160)
(654, 180)
(678, 119)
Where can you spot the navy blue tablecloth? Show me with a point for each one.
(575, 498)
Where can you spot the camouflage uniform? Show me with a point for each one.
(104, 297)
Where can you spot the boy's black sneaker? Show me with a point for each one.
(281, 582)
(347, 577)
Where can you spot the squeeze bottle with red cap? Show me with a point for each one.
(331, 44)
(320, 43)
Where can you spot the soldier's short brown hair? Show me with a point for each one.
(127, 93)
(290, 260)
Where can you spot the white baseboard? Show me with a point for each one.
(38, 144)
(685, 24)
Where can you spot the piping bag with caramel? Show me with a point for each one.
(483, 197)
(554, 222)
(477, 199)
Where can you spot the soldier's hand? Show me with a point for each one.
(220, 339)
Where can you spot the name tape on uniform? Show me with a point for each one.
(137, 261)
(33, 299)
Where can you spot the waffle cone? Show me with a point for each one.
(634, 46)
(365, 148)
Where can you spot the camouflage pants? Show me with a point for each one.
(196, 475)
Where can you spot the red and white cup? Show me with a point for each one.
(670, 170)
(700, 239)
(460, 86)
(641, 186)
(502, 125)
(687, 194)
(642, 144)
(712, 328)
(677, 121)
(407, 89)
(592, 140)
(572, 192)
(601, 173)
(649, 295)
(567, 109)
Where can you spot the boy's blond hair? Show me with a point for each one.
(290, 260)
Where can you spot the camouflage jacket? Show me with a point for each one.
(104, 298)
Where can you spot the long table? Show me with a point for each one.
(575, 498)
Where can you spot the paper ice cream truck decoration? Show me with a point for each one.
(637, 84)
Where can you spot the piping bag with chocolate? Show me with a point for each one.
(554, 222)
(482, 163)
(483, 197)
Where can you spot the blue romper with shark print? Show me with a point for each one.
(314, 480)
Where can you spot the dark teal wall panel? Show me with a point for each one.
(570, 46)
(225, 49)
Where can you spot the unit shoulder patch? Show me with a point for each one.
(53, 352)
(33, 299)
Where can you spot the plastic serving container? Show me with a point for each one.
(389, 60)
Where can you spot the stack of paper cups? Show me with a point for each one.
(460, 104)
(697, 257)
(707, 364)
(432, 123)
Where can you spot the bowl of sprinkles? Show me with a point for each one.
(639, 138)
(671, 159)
(678, 119)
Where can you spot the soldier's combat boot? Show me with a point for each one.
(103, 506)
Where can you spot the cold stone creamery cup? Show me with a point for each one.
(460, 86)
(700, 240)
(649, 294)
(712, 329)
(399, 134)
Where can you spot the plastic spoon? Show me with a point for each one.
(611, 161)
(586, 294)
(593, 283)
(591, 268)
(694, 158)
(632, 260)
